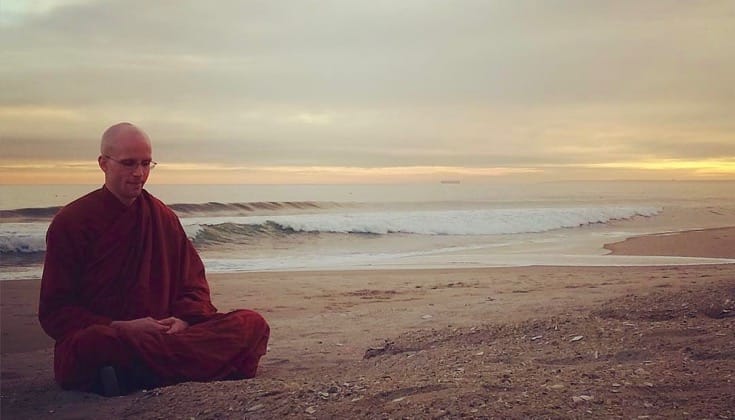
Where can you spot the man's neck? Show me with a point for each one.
(127, 202)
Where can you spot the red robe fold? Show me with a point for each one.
(106, 262)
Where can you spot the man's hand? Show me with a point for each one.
(146, 324)
(170, 325)
(174, 324)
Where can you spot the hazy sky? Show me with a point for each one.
(344, 91)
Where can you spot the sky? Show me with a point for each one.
(301, 91)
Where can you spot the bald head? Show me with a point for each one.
(112, 137)
(125, 159)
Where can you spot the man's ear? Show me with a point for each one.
(103, 163)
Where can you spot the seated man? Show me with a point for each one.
(124, 293)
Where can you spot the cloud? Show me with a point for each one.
(15, 12)
(373, 84)
(312, 118)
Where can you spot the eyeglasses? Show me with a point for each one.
(132, 164)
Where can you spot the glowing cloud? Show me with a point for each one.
(702, 167)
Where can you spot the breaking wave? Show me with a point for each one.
(237, 209)
(218, 226)
(30, 213)
(445, 222)
(186, 209)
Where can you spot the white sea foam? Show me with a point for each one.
(444, 222)
(22, 237)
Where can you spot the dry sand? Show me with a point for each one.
(552, 342)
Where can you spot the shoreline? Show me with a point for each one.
(704, 246)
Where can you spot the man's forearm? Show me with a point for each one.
(62, 321)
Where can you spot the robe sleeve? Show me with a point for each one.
(59, 311)
(192, 303)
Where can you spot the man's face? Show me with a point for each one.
(124, 165)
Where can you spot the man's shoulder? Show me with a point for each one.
(83, 207)
(85, 215)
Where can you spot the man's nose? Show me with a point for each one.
(138, 170)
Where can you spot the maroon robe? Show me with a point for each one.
(107, 262)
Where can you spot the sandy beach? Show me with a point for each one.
(539, 341)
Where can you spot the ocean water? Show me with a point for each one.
(309, 227)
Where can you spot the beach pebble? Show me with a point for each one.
(536, 337)
(310, 410)
(256, 407)
(556, 386)
(580, 398)
(427, 316)
(440, 413)
(577, 338)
